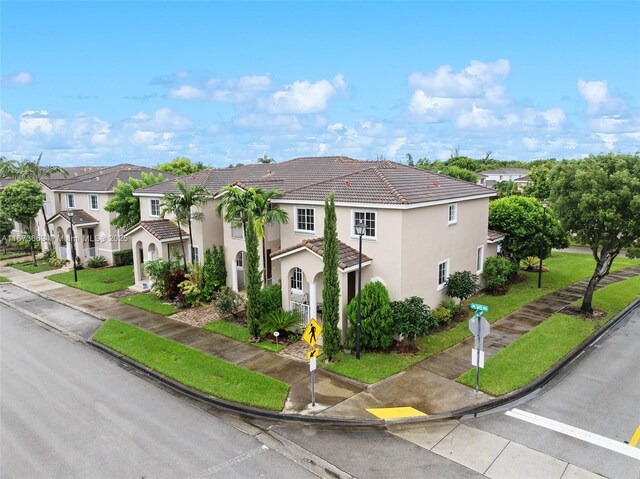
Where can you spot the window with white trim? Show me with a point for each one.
(93, 202)
(305, 219)
(195, 254)
(237, 231)
(296, 279)
(369, 219)
(479, 259)
(453, 213)
(154, 207)
(240, 260)
(443, 273)
(71, 200)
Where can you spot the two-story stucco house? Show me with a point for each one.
(420, 227)
(489, 178)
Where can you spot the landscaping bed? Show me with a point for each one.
(98, 281)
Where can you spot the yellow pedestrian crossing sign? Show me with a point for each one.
(312, 333)
(314, 353)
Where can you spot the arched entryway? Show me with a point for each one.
(239, 277)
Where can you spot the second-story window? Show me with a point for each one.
(237, 231)
(93, 202)
(369, 219)
(453, 213)
(305, 219)
(154, 207)
(71, 200)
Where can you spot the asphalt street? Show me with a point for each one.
(599, 394)
(67, 411)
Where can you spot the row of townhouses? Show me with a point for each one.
(419, 226)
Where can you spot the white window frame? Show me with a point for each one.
(452, 207)
(237, 232)
(91, 203)
(240, 262)
(195, 253)
(151, 200)
(297, 280)
(446, 274)
(297, 227)
(72, 197)
(479, 259)
(353, 224)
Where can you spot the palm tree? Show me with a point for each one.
(180, 205)
(30, 170)
(265, 212)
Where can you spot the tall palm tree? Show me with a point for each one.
(180, 204)
(30, 170)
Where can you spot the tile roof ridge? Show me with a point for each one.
(394, 191)
(333, 178)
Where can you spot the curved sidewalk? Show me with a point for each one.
(428, 386)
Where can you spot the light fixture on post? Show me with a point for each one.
(73, 246)
(360, 227)
(544, 224)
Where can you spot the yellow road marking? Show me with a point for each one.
(395, 412)
(635, 438)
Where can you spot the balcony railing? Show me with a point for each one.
(304, 311)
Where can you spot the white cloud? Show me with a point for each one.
(304, 97)
(17, 79)
(395, 146)
(161, 120)
(187, 92)
(234, 90)
(607, 113)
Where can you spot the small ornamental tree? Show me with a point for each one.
(6, 227)
(181, 166)
(462, 285)
(21, 201)
(376, 317)
(412, 318)
(330, 281)
(254, 282)
(124, 204)
(219, 267)
(208, 288)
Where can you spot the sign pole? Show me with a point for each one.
(313, 387)
(478, 355)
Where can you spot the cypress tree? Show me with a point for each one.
(330, 281)
(208, 272)
(254, 282)
(220, 270)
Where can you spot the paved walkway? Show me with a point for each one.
(428, 386)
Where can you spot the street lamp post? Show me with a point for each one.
(359, 227)
(73, 246)
(544, 224)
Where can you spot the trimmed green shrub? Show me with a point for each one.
(462, 285)
(214, 271)
(280, 321)
(376, 317)
(271, 298)
(229, 302)
(123, 258)
(412, 318)
(56, 262)
(497, 271)
(97, 262)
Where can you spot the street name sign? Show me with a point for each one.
(479, 307)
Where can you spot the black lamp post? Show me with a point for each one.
(73, 246)
(544, 224)
(359, 227)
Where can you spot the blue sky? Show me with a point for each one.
(226, 82)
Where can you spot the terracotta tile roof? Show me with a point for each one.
(347, 256)
(355, 181)
(99, 178)
(160, 229)
(80, 217)
(493, 236)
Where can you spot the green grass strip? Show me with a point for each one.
(29, 268)
(193, 368)
(535, 352)
(150, 302)
(4, 280)
(98, 281)
(239, 333)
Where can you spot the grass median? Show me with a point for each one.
(28, 267)
(98, 281)
(4, 280)
(535, 352)
(239, 333)
(150, 302)
(193, 368)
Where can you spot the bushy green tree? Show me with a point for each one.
(21, 201)
(462, 285)
(6, 227)
(208, 286)
(412, 318)
(254, 283)
(539, 185)
(598, 199)
(460, 173)
(271, 298)
(330, 281)
(181, 166)
(497, 271)
(506, 188)
(520, 218)
(124, 204)
(376, 317)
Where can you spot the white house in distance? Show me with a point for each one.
(419, 227)
(489, 178)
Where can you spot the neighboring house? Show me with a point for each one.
(489, 178)
(420, 227)
(85, 191)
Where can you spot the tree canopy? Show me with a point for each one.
(598, 199)
(181, 166)
(124, 204)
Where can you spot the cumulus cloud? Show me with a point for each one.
(17, 79)
(304, 97)
(607, 113)
(234, 90)
(163, 119)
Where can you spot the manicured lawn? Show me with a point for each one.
(193, 368)
(564, 270)
(534, 353)
(98, 281)
(28, 267)
(4, 280)
(150, 302)
(14, 254)
(239, 333)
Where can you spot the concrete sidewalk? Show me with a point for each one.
(428, 386)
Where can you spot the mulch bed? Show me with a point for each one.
(575, 311)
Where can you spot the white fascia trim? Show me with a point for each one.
(169, 240)
(152, 195)
(297, 250)
(219, 195)
(99, 192)
(381, 206)
(496, 240)
(86, 224)
(355, 267)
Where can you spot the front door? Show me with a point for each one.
(351, 286)
(268, 265)
(92, 241)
